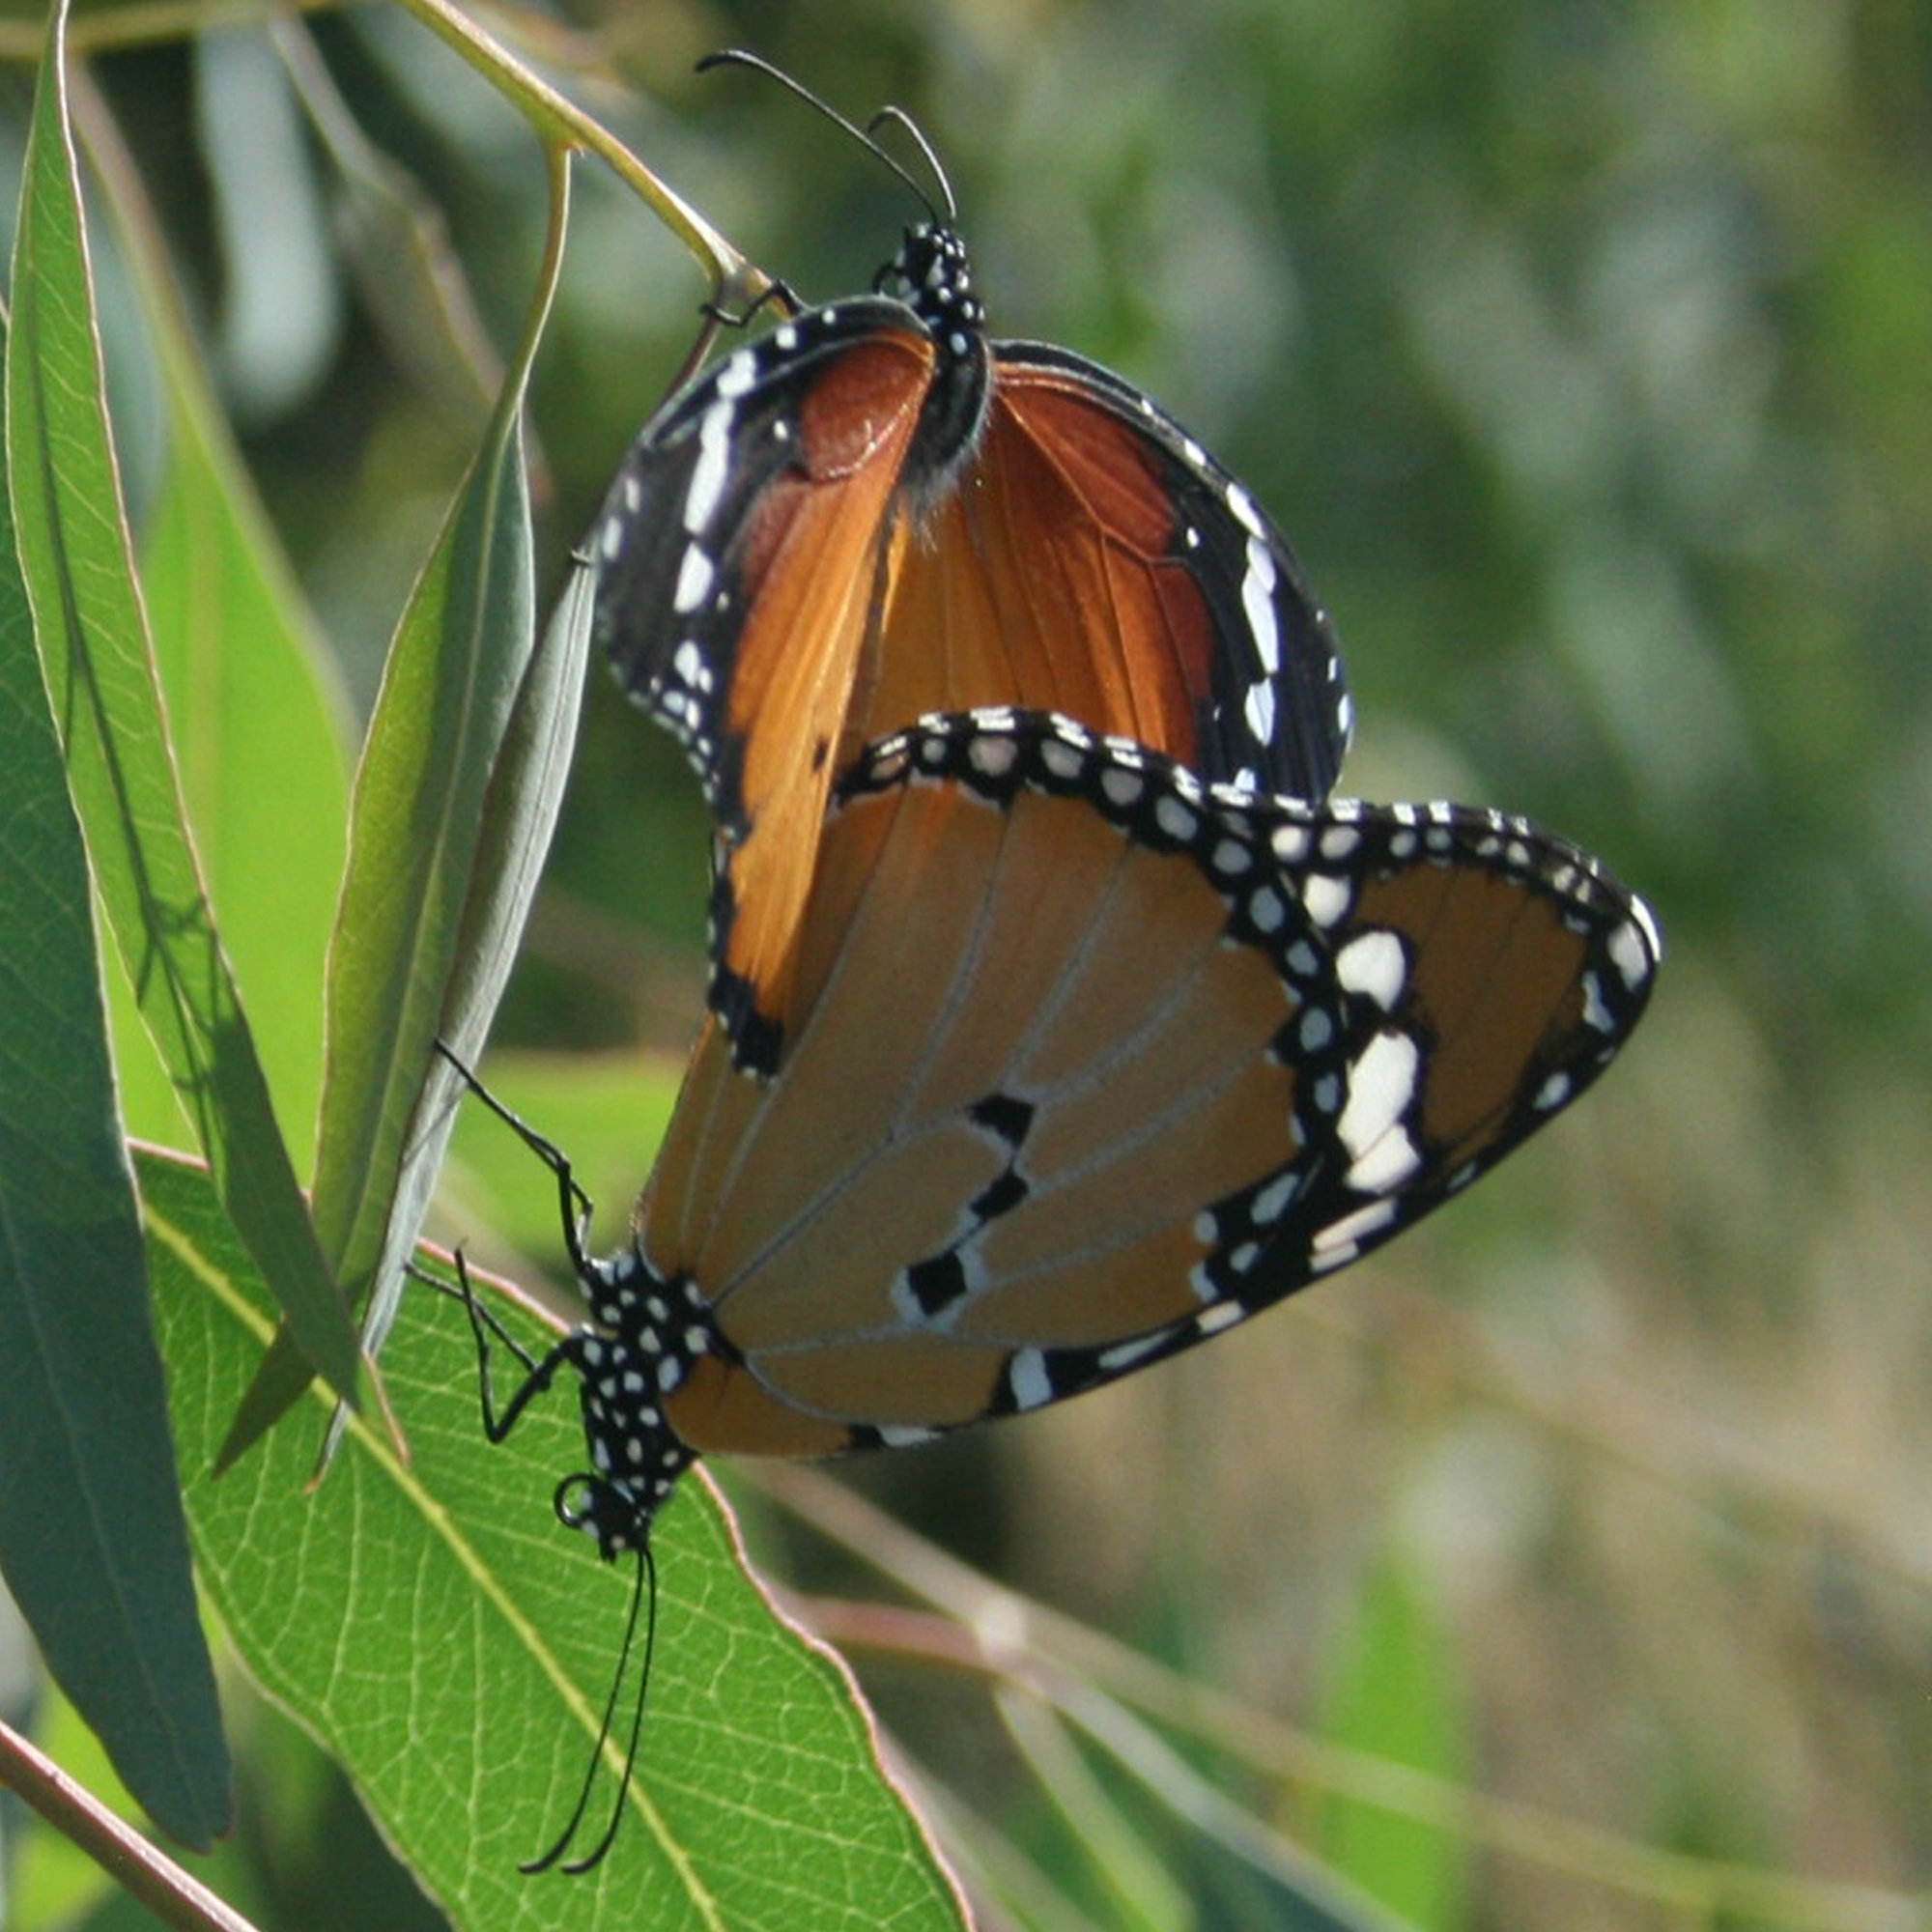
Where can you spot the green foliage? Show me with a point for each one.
(452, 1648)
(1392, 1695)
(98, 662)
(1584, 352)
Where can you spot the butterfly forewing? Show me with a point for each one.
(1258, 653)
(739, 554)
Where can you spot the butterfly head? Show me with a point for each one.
(933, 277)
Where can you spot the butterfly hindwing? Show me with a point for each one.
(1089, 1062)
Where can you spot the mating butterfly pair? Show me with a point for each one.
(1055, 1023)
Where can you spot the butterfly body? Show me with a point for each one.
(877, 512)
(1086, 1062)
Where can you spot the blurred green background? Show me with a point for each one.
(1585, 354)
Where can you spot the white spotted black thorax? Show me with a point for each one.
(933, 275)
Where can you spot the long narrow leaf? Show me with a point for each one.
(423, 823)
(461, 777)
(258, 728)
(451, 1644)
(92, 1536)
(457, 797)
(95, 651)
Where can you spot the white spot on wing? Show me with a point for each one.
(1342, 1240)
(1122, 1357)
(1386, 1164)
(693, 579)
(1064, 761)
(707, 475)
(1291, 843)
(1553, 1094)
(1273, 1201)
(1325, 897)
(1596, 1014)
(1174, 819)
(1242, 505)
(1382, 1085)
(738, 374)
(1634, 945)
(1027, 1378)
(1375, 966)
(994, 756)
(1258, 603)
(1258, 708)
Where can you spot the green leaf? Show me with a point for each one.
(1393, 1694)
(92, 1536)
(257, 729)
(99, 667)
(455, 799)
(462, 777)
(451, 1644)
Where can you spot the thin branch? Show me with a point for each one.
(735, 284)
(141, 1869)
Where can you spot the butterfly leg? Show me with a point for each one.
(573, 1202)
(777, 295)
(538, 1373)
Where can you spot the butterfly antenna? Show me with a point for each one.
(899, 118)
(646, 1584)
(573, 1202)
(738, 57)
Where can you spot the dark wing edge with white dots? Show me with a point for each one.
(1490, 971)
(669, 545)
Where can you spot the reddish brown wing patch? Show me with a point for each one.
(1046, 579)
(811, 557)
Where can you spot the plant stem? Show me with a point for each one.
(735, 283)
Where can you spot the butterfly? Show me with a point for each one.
(1086, 1060)
(877, 511)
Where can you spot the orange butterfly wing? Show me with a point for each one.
(788, 568)
(1089, 1063)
